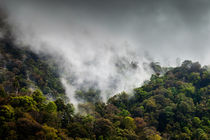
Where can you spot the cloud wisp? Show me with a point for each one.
(108, 44)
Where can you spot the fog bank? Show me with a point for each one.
(108, 44)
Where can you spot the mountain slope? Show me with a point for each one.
(173, 104)
(26, 70)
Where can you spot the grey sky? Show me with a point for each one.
(164, 28)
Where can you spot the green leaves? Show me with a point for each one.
(103, 127)
(51, 107)
(129, 123)
(124, 113)
(196, 121)
(24, 102)
(188, 89)
(7, 113)
(200, 134)
(38, 96)
(140, 94)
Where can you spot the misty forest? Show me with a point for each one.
(105, 70)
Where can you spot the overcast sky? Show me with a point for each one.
(165, 29)
(92, 35)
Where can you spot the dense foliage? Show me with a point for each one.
(21, 69)
(173, 104)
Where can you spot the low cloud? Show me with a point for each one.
(109, 44)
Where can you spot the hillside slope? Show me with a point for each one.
(173, 104)
(21, 69)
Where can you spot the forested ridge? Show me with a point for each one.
(173, 104)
